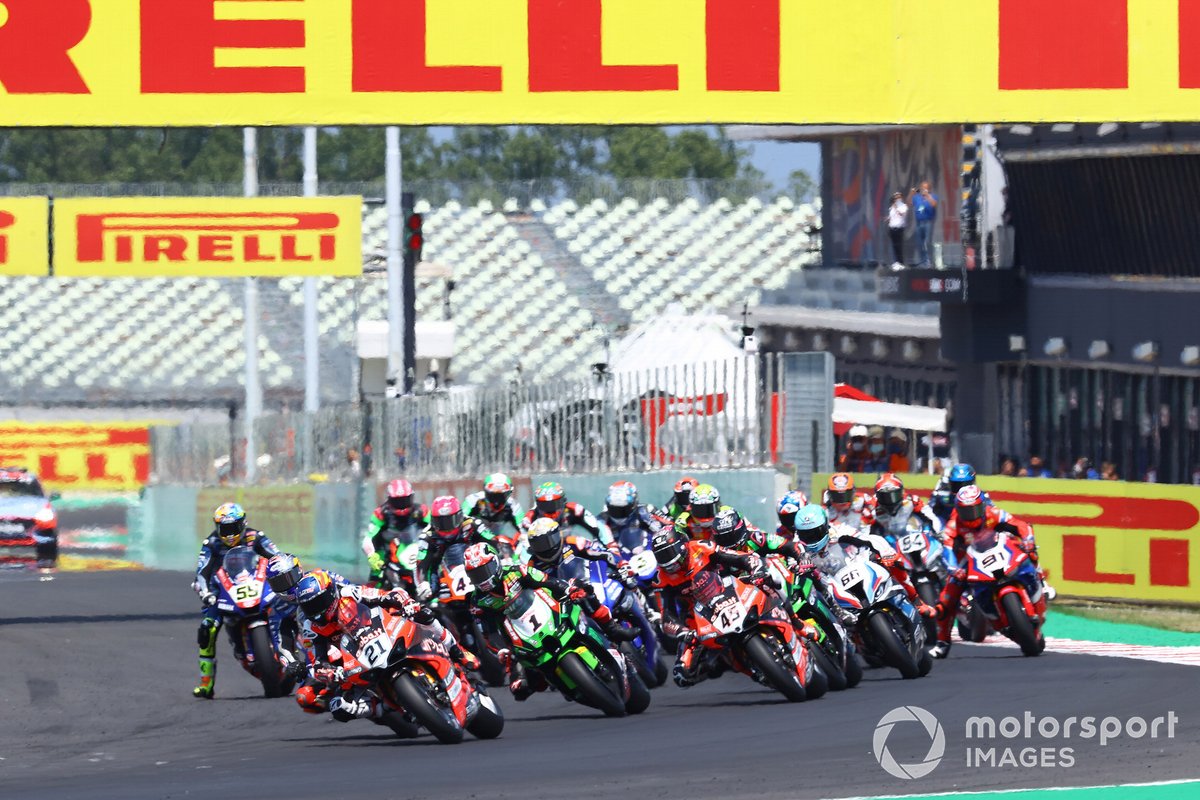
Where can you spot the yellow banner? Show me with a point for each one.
(24, 234)
(94, 456)
(1107, 539)
(285, 513)
(207, 237)
(300, 62)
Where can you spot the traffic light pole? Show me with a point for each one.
(407, 203)
(397, 325)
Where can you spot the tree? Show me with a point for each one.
(801, 185)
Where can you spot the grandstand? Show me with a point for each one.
(538, 285)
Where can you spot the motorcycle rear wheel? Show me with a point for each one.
(266, 663)
(784, 681)
(891, 646)
(1020, 627)
(836, 677)
(597, 692)
(438, 720)
(488, 723)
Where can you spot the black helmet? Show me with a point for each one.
(483, 567)
(545, 540)
(317, 594)
(670, 550)
(729, 529)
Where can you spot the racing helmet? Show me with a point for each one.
(705, 502)
(550, 499)
(400, 497)
(230, 519)
(960, 475)
(969, 507)
(317, 594)
(497, 489)
(839, 492)
(889, 492)
(446, 516)
(621, 501)
(729, 529)
(812, 528)
(545, 540)
(284, 574)
(482, 566)
(670, 550)
(789, 504)
(683, 490)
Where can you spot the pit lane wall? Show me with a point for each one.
(1101, 539)
(323, 523)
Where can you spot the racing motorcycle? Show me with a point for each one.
(403, 553)
(408, 668)
(924, 558)
(810, 603)
(625, 604)
(255, 618)
(1005, 586)
(453, 608)
(754, 630)
(887, 624)
(557, 640)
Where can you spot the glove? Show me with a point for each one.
(628, 576)
(424, 591)
(505, 657)
(330, 675)
(576, 592)
(682, 679)
(466, 658)
(888, 561)
(926, 610)
(398, 598)
(208, 599)
(376, 561)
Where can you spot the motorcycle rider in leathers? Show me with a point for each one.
(401, 518)
(447, 526)
(230, 532)
(551, 502)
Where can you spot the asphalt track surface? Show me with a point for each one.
(95, 700)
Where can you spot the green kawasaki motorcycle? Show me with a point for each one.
(559, 641)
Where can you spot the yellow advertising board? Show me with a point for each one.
(1107, 539)
(24, 234)
(294, 62)
(284, 513)
(91, 456)
(207, 237)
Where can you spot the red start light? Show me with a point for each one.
(415, 241)
(414, 222)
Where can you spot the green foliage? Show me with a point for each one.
(470, 154)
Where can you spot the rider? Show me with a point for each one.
(447, 526)
(679, 561)
(681, 498)
(321, 599)
(496, 586)
(953, 479)
(399, 518)
(230, 532)
(495, 506)
(703, 504)
(789, 504)
(893, 503)
(551, 503)
(732, 532)
(555, 555)
(979, 523)
(844, 506)
(623, 512)
(813, 531)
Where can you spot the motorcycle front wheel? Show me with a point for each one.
(891, 646)
(1020, 627)
(597, 693)
(436, 718)
(763, 656)
(266, 663)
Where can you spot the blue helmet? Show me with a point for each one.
(789, 504)
(316, 593)
(284, 574)
(812, 528)
(961, 475)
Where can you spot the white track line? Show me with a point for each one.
(1187, 656)
(990, 793)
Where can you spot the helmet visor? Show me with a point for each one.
(231, 533)
(669, 555)
(317, 607)
(551, 507)
(484, 576)
(285, 582)
(841, 497)
(547, 546)
(704, 512)
(447, 523)
(400, 505)
(619, 513)
(972, 513)
(890, 498)
(497, 499)
(813, 536)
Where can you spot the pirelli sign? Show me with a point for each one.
(207, 237)
(24, 227)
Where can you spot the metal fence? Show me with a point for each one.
(720, 414)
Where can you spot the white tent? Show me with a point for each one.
(889, 415)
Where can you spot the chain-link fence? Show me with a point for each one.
(719, 414)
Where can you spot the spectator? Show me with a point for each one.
(401, 458)
(877, 449)
(367, 459)
(1008, 467)
(1083, 471)
(1036, 468)
(353, 463)
(856, 458)
(925, 205)
(1108, 472)
(897, 222)
(897, 452)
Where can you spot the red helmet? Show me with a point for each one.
(550, 499)
(889, 492)
(683, 490)
(446, 516)
(969, 507)
(482, 565)
(400, 497)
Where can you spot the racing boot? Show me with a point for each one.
(207, 640)
(941, 649)
(613, 629)
(344, 709)
(463, 658)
